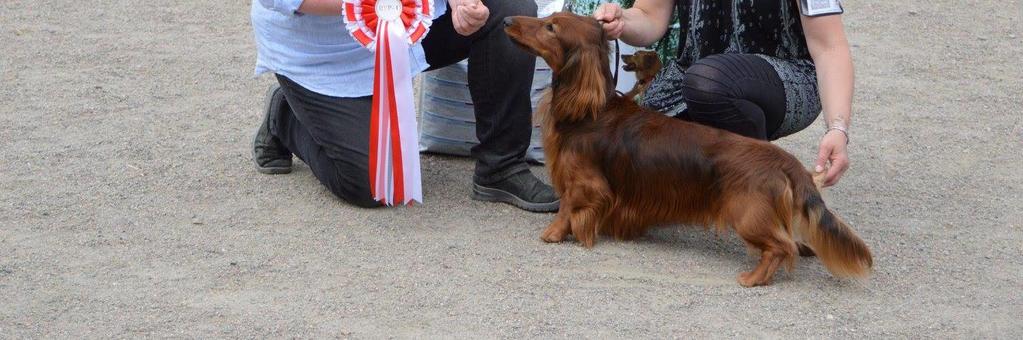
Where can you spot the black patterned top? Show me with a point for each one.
(769, 27)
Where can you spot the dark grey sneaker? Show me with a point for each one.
(522, 190)
(270, 156)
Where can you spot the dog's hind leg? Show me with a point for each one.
(752, 219)
(806, 251)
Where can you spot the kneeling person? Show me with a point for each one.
(320, 111)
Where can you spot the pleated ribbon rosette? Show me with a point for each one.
(389, 28)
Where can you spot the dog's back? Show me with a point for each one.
(664, 170)
(647, 153)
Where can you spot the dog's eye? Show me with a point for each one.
(549, 27)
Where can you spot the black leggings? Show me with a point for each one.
(741, 93)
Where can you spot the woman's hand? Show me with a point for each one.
(825, 37)
(468, 16)
(832, 150)
(610, 16)
(641, 25)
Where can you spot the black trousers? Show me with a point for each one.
(331, 134)
(741, 93)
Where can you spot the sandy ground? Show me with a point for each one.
(129, 206)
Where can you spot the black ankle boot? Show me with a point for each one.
(270, 156)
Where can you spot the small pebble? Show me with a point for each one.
(830, 317)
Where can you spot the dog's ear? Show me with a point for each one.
(587, 71)
(543, 108)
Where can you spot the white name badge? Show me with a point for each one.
(814, 8)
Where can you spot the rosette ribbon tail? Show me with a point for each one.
(395, 174)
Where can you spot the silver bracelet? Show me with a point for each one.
(839, 128)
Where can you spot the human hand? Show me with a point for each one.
(832, 149)
(468, 16)
(610, 16)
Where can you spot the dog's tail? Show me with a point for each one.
(834, 242)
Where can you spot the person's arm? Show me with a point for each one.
(293, 7)
(468, 16)
(641, 25)
(319, 7)
(829, 49)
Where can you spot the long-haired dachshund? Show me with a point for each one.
(621, 168)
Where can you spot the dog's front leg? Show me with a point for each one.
(585, 196)
(558, 228)
(585, 202)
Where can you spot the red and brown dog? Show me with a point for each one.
(621, 168)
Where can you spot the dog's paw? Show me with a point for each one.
(552, 235)
(747, 279)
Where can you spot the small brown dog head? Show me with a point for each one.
(576, 49)
(643, 63)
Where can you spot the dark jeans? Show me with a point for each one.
(331, 134)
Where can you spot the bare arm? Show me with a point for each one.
(646, 21)
(830, 52)
(825, 37)
(641, 25)
(321, 7)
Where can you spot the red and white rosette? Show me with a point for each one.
(390, 28)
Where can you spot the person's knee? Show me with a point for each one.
(366, 202)
(359, 196)
(354, 190)
(705, 83)
(502, 9)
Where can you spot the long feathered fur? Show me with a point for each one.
(620, 168)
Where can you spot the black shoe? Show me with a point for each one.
(522, 190)
(270, 156)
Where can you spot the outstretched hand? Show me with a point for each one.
(832, 157)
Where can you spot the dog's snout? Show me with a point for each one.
(508, 21)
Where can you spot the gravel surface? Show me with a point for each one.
(129, 205)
